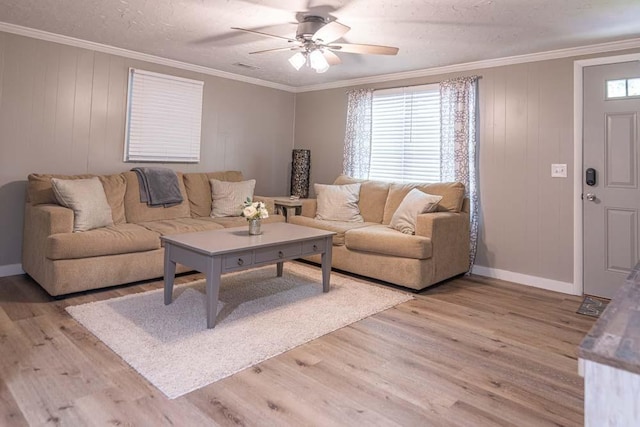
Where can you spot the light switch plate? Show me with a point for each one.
(559, 170)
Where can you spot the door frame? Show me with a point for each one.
(578, 244)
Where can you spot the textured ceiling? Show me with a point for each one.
(429, 33)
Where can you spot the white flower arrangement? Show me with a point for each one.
(254, 210)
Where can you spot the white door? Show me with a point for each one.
(611, 204)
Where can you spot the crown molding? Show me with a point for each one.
(85, 44)
(478, 65)
(468, 66)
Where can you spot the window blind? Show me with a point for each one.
(164, 115)
(405, 137)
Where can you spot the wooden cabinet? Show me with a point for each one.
(610, 360)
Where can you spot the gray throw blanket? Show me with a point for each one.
(158, 186)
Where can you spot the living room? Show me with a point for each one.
(63, 111)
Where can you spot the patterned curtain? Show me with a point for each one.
(459, 116)
(357, 138)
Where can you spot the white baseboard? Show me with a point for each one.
(11, 270)
(510, 276)
(524, 279)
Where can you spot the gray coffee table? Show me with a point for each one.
(232, 249)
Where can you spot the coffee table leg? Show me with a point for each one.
(326, 264)
(214, 271)
(279, 269)
(169, 274)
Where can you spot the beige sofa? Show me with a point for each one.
(63, 262)
(438, 250)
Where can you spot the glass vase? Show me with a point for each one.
(254, 227)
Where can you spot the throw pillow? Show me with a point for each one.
(414, 203)
(228, 197)
(87, 199)
(338, 202)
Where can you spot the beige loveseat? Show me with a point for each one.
(130, 250)
(438, 250)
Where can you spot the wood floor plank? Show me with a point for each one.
(526, 390)
(381, 388)
(256, 397)
(53, 370)
(309, 398)
(471, 351)
(10, 413)
(386, 406)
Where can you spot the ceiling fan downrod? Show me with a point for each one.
(308, 27)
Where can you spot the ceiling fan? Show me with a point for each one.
(314, 44)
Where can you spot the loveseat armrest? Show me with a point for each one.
(309, 207)
(449, 233)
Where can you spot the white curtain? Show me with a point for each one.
(357, 138)
(459, 139)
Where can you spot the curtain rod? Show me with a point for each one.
(418, 84)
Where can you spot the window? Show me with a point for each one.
(405, 134)
(623, 88)
(164, 116)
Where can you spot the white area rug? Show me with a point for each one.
(259, 316)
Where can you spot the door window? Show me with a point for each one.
(623, 88)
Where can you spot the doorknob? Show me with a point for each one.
(591, 197)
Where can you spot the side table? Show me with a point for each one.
(287, 206)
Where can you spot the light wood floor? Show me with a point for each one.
(470, 352)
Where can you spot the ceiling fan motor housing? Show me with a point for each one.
(308, 27)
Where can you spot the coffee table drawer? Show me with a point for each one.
(281, 252)
(237, 261)
(313, 246)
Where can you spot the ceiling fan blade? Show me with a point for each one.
(263, 34)
(330, 32)
(370, 49)
(331, 57)
(278, 49)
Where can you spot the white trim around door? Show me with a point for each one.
(577, 159)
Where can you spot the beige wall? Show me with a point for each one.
(526, 124)
(62, 111)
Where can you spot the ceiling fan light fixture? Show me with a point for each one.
(298, 60)
(315, 43)
(322, 70)
(318, 62)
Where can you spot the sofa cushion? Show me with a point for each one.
(111, 240)
(137, 211)
(87, 199)
(383, 240)
(228, 197)
(40, 191)
(414, 203)
(339, 227)
(199, 189)
(373, 196)
(452, 196)
(338, 202)
(114, 188)
(165, 227)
